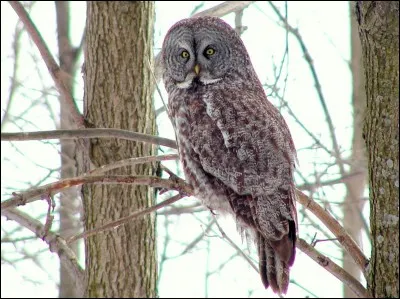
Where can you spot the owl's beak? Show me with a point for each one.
(197, 69)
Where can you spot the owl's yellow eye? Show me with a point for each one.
(185, 54)
(209, 52)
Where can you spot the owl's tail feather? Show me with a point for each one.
(274, 272)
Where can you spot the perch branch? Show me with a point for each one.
(333, 268)
(53, 188)
(334, 226)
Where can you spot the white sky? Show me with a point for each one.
(325, 29)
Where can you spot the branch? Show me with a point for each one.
(237, 248)
(55, 242)
(132, 161)
(198, 238)
(223, 9)
(54, 188)
(333, 268)
(16, 46)
(116, 223)
(88, 133)
(54, 69)
(334, 226)
(341, 180)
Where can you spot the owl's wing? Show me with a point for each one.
(246, 144)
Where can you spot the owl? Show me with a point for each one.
(235, 147)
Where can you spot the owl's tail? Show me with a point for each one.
(273, 265)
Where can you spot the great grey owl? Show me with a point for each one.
(235, 147)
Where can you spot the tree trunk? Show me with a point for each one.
(118, 94)
(379, 33)
(69, 222)
(353, 202)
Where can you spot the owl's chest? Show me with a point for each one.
(192, 122)
(186, 110)
(190, 119)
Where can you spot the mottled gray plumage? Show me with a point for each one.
(234, 145)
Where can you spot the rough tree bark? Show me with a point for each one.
(118, 94)
(353, 202)
(379, 33)
(69, 222)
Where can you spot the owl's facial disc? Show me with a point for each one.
(196, 76)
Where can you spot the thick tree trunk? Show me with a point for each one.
(379, 33)
(118, 94)
(69, 221)
(353, 203)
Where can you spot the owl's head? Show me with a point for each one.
(203, 50)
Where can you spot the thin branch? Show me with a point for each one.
(49, 217)
(88, 133)
(198, 238)
(334, 226)
(333, 268)
(195, 208)
(341, 180)
(54, 69)
(56, 187)
(239, 28)
(132, 161)
(123, 220)
(229, 241)
(55, 242)
(16, 46)
(223, 9)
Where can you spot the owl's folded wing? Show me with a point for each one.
(246, 144)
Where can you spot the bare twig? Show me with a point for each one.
(195, 208)
(49, 217)
(333, 268)
(132, 161)
(239, 28)
(88, 133)
(224, 8)
(315, 185)
(123, 220)
(229, 241)
(55, 242)
(14, 77)
(54, 69)
(198, 238)
(314, 242)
